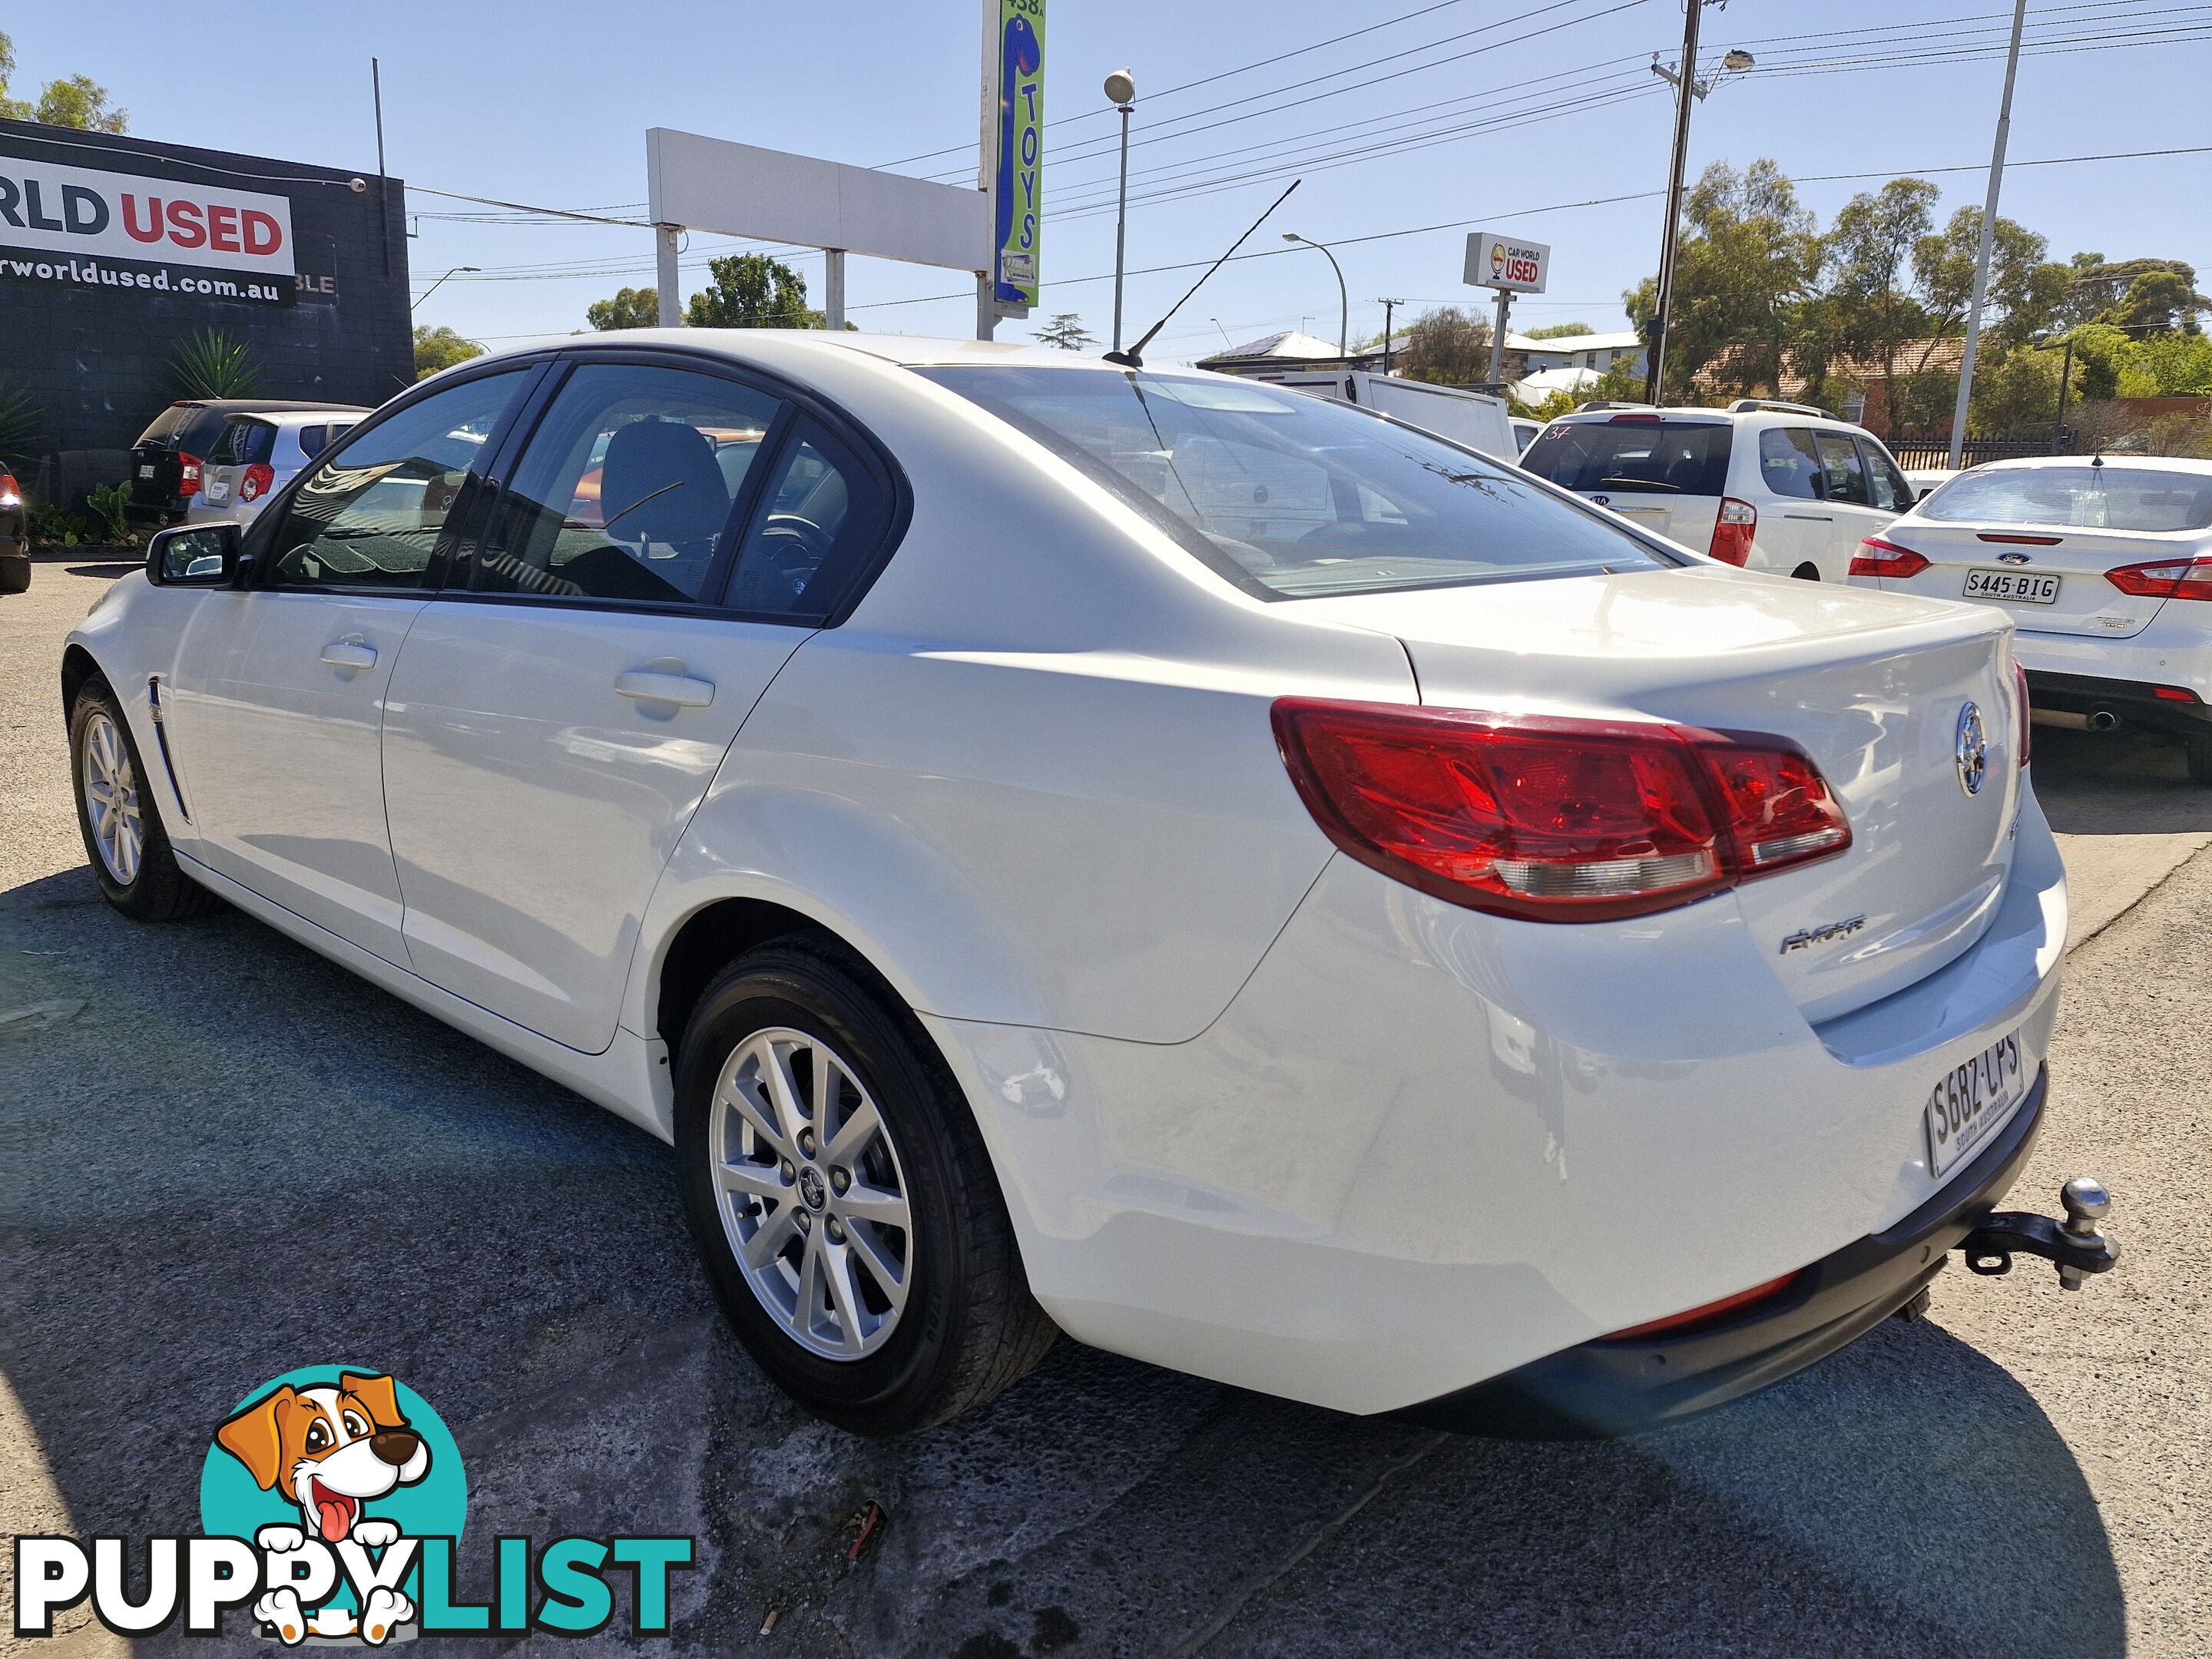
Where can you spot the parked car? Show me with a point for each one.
(1768, 486)
(166, 461)
(14, 537)
(2106, 569)
(1208, 870)
(254, 456)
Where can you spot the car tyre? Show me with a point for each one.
(2198, 745)
(965, 1327)
(123, 835)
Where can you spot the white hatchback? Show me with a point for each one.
(1768, 486)
(2104, 568)
(1220, 873)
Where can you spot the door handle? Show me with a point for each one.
(644, 685)
(349, 654)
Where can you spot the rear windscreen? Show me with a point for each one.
(164, 428)
(2076, 498)
(1653, 457)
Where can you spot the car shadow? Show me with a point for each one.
(230, 1158)
(2126, 783)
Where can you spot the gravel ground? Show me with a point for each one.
(221, 1158)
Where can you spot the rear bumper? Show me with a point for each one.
(2136, 701)
(1604, 1389)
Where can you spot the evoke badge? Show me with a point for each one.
(1972, 749)
(1821, 935)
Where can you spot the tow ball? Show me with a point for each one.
(2078, 1245)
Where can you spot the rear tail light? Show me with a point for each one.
(1879, 558)
(2164, 579)
(2026, 712)
(1551, 819)
(11, 492)
(188, 475)
(258, 477)
(1712, 1313)
(1732, 531)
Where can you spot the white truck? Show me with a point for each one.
(1474, 419)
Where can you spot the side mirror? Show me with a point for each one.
(194, 556)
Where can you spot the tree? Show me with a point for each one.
(80, 101)
(440, 347)
(631, 308)
(751, 290)
(1557, 331)
(1066, 332)
(1746, 264)
(1446, 346)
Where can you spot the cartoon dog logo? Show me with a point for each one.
(332, 1451)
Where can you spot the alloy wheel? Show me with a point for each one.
(812, 1199)
(111, 800)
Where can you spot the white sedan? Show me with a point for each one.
(2104, 568)
(1218, 873)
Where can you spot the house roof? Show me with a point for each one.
(1623, 340)
(1291, 342)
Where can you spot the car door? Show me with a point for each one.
(1849, 499)
(1795, 523)
(659, 552)
(275, 706)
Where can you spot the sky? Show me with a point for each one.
(1512, 115)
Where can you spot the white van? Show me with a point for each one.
(1474, 420)
(1769, 486)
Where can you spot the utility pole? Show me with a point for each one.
(1685, 85)
(1388, 306)
(1988, 239)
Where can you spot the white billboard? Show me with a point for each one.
(711, 184)
(1495, 259)
(48, 208)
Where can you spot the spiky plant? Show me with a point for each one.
(211, 364)
(19, 427)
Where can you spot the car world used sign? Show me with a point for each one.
(117, 230)
(1494, 260)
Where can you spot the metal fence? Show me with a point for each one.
(1933, 449)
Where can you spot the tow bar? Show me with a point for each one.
(2078, 1246)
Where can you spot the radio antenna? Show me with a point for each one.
(1133, 357)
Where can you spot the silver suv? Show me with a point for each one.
(1769, 486)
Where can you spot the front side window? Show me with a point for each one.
(1292, 497)
(2138, 498)
(1634, 454)
(1841, 479)
(1788, 465)
(628, 488)
(370, 514)
(1885, 483)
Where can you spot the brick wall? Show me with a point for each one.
(95, 362)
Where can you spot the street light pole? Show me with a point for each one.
(434, 287)
(1122, 93)
(1343, 294)
(1989, 237)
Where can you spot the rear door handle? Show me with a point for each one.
(643, 685)
(349, 654)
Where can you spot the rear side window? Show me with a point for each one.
(1787, 464)
(1638, 455)
(1841, 477)
(2076, 497)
